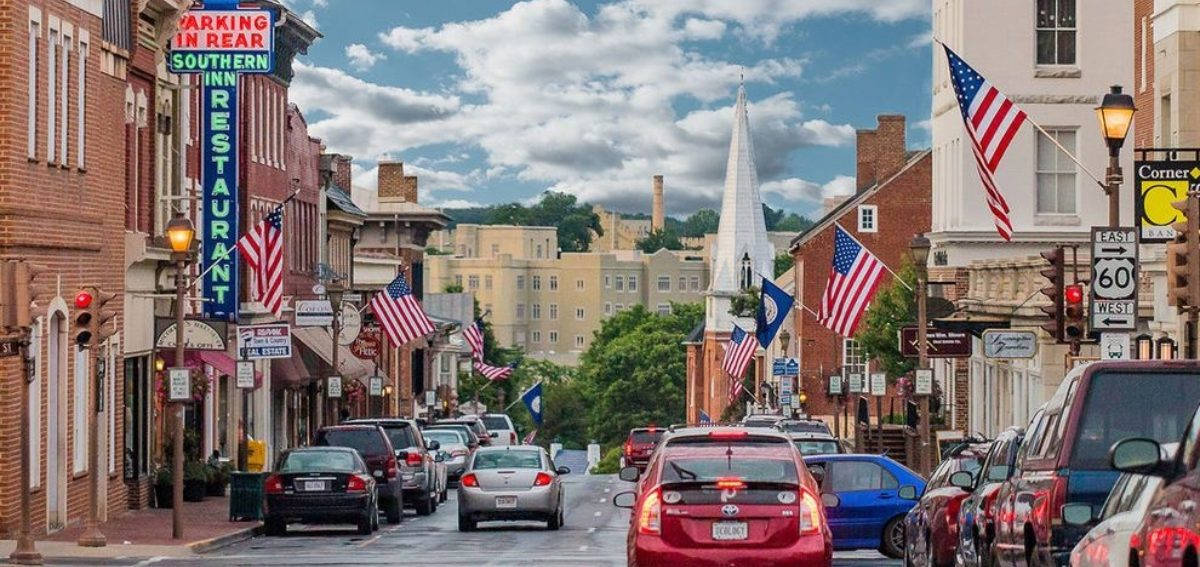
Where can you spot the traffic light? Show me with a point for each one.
(86, 317)
(1054, 291)
(1183, 258)
(1074, 319)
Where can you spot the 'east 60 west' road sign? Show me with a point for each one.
(1114, 279)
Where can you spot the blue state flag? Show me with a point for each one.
(704, 417)
(774, 307)
(533, 400)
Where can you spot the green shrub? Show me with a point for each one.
(610, 463)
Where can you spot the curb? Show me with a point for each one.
(212, 544)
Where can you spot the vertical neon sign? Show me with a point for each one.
(219, 42)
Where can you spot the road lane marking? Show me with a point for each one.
(597, 514)
(591, 530)
(583, 548)
(369, 541)
(607, 490)
(603, 500)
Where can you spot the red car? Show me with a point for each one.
(931, 527)
(726, 502)
(639, 445)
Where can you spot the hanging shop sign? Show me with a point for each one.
(1158, 184)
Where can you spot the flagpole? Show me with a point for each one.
(527, 390)
(213, 263)
(881, 262)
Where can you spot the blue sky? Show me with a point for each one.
(492, 102)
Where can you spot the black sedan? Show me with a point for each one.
(320, 485)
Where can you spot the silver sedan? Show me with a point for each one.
(517, 482)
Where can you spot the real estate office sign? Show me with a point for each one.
(219, 42)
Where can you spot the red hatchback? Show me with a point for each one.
(639, 445)
(727, 504)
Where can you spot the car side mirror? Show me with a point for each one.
(434, 445)
(1136, 455)
(629, 474)
(563, 470)
(963, 479)
(830, 500)
(624, 499)
(1077, 514)
(907, 492)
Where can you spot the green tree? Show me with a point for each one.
(793, 223)
(658, 240)
(892, 307)
(575, 222)
(452, 288)
(772, 216)
(783, 262)
(701, 222)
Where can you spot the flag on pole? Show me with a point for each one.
(529, 437)
(991, 120)
(704, 418)
(853, 280)
(533, 401)
(738, 353)
(399, 313)
(262, 248)
(493, 373)
(474, 336)
(774, 306)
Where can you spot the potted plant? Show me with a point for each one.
(195, 481)
(218, 478)
(162, 487)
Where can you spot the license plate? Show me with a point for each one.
(506, 501)
(313, 486)
(727, 531)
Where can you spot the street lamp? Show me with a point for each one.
(1116, 115)
(180, 234)
(919, 247)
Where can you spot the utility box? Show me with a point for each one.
(256, 455)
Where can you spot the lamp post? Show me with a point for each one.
(919, 247)
(335, 301)
(180, 234)
(1116, 115)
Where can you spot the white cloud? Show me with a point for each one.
(697, 28)
(320, 3)
(796, 189)
(310, 17)
(361, 57)
(455, 204)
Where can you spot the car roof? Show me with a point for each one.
(495, 449)
(351, 427)
(383, 421)
(649, 429)
(811, 435)
(321, 449)
(772, 451)
(694, 432)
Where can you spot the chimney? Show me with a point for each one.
(341, 171)
(394, 185)
(882, 151)
(657, 220)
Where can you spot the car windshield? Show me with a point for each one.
(365, 441)
(642, 437)
(497, 422)
(508, 460)
(817, 446)
(323, 461)
(805, 427)
(1107, 417)
(713, 468)
(445, 437)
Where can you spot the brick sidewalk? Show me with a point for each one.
(205, 523)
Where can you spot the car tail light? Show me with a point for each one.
(810, 514)
(273, 484)
(413, 459)
(469, 480)
(542, 479)
(730, 483)
(952, 508)
(1058, 497)
(356, 484)
(629, 447)
(392, 470)
(650, 515)
(728, 434)
(512, 437)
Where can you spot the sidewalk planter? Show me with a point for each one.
(162, 487)
(246, 495)
(218, 478)
(195, 481)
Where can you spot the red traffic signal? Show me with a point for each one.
(83, 300)
(1073, 294)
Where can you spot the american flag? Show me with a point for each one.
(262, 248)
(399, 313)
(529, 437)
(493, 372)
(991, 121)
(853, 279)
(738, 354)
(474, 336)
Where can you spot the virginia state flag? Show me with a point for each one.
(533, 401)
(774, 307)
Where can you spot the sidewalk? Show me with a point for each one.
(147, 533)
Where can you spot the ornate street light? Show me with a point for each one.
(180, 234)
(1116, 115)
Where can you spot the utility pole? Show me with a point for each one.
(16, 296)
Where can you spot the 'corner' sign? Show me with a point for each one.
(219, 42)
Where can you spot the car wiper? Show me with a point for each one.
(682, 472)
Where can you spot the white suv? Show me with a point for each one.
(502, 425)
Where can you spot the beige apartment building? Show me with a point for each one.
(550, 304)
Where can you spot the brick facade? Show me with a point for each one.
(393, 183)
(1143, 74)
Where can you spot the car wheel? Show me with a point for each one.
(364, 525)
(275, 527)
(554, 522)
(375, 519)
(893, 539)
(442, 497)
(465, 524)
(433, 502)
(394, 511)
(425, 506)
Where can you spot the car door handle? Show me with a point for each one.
(885, 496)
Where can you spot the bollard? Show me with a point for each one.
(593, 455)
(554, 449)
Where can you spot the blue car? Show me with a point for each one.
(866, 498)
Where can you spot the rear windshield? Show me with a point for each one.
(646, 436)
(366, 441)
(401, 436)
(1119, 406)
(817, 446)
(760, 422)
(321, 461)
(496, 422)
(508, 460)
(805, 427)
(748, 470)
(445, 437)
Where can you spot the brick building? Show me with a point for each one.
(889, 207)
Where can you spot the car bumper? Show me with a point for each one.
(651, 551)
(532, 503)
(414, 482)
(318, 508)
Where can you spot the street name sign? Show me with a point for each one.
(265, 341)
(1009, 344)
(878, 384)
(1114, 279)
(1114, 346)
(9, 347)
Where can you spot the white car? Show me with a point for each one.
(502, 425)
(1107, 544)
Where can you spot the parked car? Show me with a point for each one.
(804, 426)
(511, 483)
(1109, 543)
(454, 444)
(976, 516)
(320, 485)
(866, 498)
(639, 445)
(817, 444)
(1065, 457)
(1168, 534)
(376, 450)
(502, 426)
(725, 497)
(477, 426)
(931, 527)
(473, 441)
(418, 469)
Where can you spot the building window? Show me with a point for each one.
(35, 406)
(495, 250)
(81, 96)
(664, 283)
(553, 283)
(520, 282)
(1056, 174)
(619, 307)
(682, 283)
(535, 311)
(472, 282)
(1056, 32)
(553, 336)
(664, 309)
(694, 283)
(536, 283)
(520, 311)
(553, 311)
(607, 308)
(519, 337)
(632, 283)
(539, 250)
(579, 313)
(79, 413)
(487, 282)
(537, 336)
(607, 281)
(51, 89)
(578, 341)
(620, 283)
(579, 284)
(868, 216)
(35, 35)
(458, 280)
(747, 272)
(852, 357)
(64, 83)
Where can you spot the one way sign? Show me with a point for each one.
(1114, 279)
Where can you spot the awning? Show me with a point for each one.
(289, 371)
(221, 362)
(318, 340)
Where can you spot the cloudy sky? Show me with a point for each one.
(490, 101)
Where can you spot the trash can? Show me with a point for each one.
(246, 496)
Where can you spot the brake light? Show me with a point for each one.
(728, 434)
(356, 484)
(810, 514)
(413, 459)
(650, 515)
(273, 484)
(952, 509)
(512, 437)
(390, 466)
(542, 479)
(730, 483)
(469, 480)
(628, 447)
(1058, 497)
